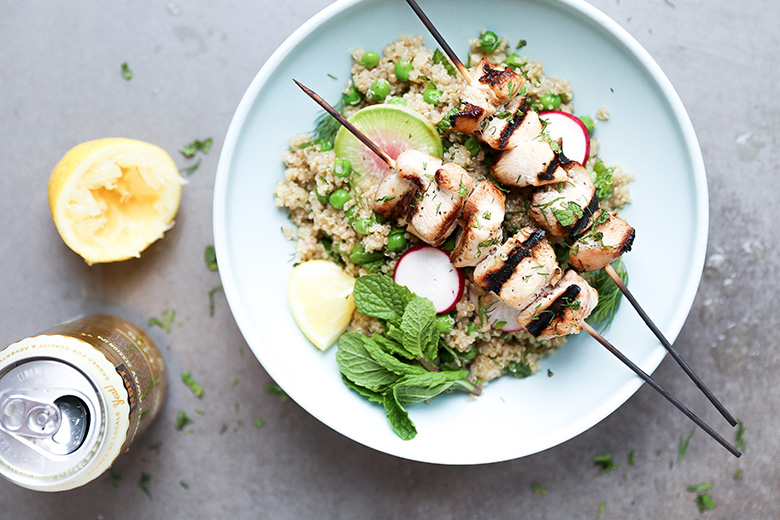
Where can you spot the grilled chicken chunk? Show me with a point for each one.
(560, 309)
(609, 238)
(519, 268)
(566, 208)
(505, 133)
(481, 232)
(440, 195)
(530, 163)
(501, 86)
(393, 196)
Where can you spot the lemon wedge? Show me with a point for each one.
(319, 293)
(111, 198)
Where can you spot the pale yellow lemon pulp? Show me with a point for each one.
(319, 293)
(111, 198)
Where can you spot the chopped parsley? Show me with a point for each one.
(705, 502)
(539, 490)
(521, 44)
(684, 445)
(631, 458)
(210, 256)
(214, 290)
(603, 179)
(189, 170)
(196, 146)
(602, 507)
(126, 72)
(184, 484)
(605, 462)
(275, 389)
(164, 321)
(186, 378)
(698, 488)
(143, 483)
(258, 422)
(182, 420)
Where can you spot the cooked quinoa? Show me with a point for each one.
(321, 231)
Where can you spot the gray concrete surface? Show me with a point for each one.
(60, 84)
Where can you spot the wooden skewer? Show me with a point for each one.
(441, 41)
(668, 346)
(365, 140)
(669, 397)
(349, 126)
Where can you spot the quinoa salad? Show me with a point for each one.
(332, 217)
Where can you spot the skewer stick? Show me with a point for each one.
(349, 126)
(668, 346)
(441, 41)
(669, 397)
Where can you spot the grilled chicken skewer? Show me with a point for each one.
(518, 162)
(528, 256)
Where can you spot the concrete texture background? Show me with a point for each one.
(60, 84)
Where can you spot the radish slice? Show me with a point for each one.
(428, 272)
(576, 140)
(498, 312)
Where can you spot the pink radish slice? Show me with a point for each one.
(428, 272)
(498, 312)
(576, 140)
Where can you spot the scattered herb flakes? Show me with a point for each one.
(196, 146)
(518, 369)
(156, 447)
(738, 474)
(684, 445)
(186, 378)
(126, 72)
(210, 256)
(223, 429)
(698, 488)
(705, 502)
(212, 305)
(669, 3)
(549, 373)
(602, 507)
(200, 411)
(235, 382)
(331, 76)
(539, 490)
(275, 389)
(258, 423)
(521, 44)
(184, 484)
(114, 479)
(605, 462)
(182, 420)
(164, 321)
(143, 483)
(740, 436)
(192, 168)
(631, 457)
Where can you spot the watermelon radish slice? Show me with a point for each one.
(393, 128)
(501, 316)
(428, 272)
(576, 139)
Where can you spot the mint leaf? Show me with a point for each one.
(414, 389)
(389, 362)
(419, 327)
(378, 296)
(365, 392)
(399, 417)
(391, 342)
(357, 365)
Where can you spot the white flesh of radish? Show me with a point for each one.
(428, 272)
(576, 140)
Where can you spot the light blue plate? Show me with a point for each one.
(649, 134)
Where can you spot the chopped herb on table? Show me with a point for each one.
(605, 462)
(192, 168)
(609, 295)
(602, 507)
(740, 436)
(184, 484)
(196, 146)
(698, 488)
(258, 423)
(126, 72)
(164, 321)
(275, 389)
(539, 490)
(182, 420)
(631, 458)
(143, 483)
(214, 290)
(114, 479)
(705, 502)
(684, 445)
(210, 256)
(186, 378)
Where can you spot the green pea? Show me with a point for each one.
(472, 145)
(550, 101)
(432, 95)
(338, 198)
(325, 144)
(322, 198)
(379, 90)
(445, 323)
(402, 69)
(362, 225)
(488, 42)
(379, 218)
(369, 60)
(514, 61)
(352, 96)
(396, 242)
(350, 213)
(342, 167)
(396, 101)
(359, 256)
(589, 124)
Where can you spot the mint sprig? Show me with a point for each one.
(400, 367)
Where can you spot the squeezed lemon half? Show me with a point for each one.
(111, 198)
(319, 293)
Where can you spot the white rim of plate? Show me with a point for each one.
(688, 293)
